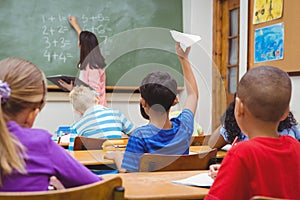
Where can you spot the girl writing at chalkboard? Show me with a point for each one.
(91, 62)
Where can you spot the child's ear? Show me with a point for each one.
(285, 114)
(239, 108)
(79, 113)
(176, 101)
(143, 102)
(31, 118)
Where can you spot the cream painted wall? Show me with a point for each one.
(198, 20)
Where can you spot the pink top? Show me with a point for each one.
(96, 79)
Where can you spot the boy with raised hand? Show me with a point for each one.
(162, 135)
(267, 164)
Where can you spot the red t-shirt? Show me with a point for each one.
(260, 166)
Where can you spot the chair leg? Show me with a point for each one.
(119, 193)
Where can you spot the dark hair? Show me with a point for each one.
(288, 122)
(266, 92)
(90, 53)
(159, 90)
(233, 130)
(230, 124)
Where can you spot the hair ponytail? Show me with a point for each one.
(11, 150)
(22, 87)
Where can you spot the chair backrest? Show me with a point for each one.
(160, 162)
(200, 140)
(265, 198)
(87, 143)
(102, 190)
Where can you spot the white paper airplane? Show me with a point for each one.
(185, 40)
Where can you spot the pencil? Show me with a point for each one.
(234, 141)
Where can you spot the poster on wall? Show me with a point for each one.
(269, 43)
(267, 10)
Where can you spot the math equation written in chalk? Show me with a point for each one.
(58, 35)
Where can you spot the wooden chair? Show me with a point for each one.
(265, 198)
(200, 140)
(86, 143)
(160, 162)
(103, 190)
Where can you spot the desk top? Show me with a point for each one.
(198, 149)
(96, 157)
(91, 157)
(157, 185)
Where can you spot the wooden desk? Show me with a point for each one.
(157, 185)
(91, 157)
(197, 149)
(96, 157)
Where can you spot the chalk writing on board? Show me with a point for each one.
(56, 34)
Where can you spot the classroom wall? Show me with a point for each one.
(197, 15)
(197, 19)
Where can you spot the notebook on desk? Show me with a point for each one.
(200, 180)
(68, 79)
(227, 147)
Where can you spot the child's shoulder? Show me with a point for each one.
(34, 138)
(143, 130)
(264, 144)
(100, 109)
(29, 134)
(290, 140)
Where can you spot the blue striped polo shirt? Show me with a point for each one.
(100, 122)
(150, 139)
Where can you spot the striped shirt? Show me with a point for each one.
(100, 122)
(150, 139)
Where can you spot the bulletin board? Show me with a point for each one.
(291, 49)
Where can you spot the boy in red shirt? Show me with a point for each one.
(267, 164)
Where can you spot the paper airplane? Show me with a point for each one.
(185, 40)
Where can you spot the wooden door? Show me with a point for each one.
(225, 55)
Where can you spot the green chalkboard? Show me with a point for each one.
(133, 34)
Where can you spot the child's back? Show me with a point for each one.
(96, 121)
(267, 164)
(102, 122)
(260, 166)
(150, 139)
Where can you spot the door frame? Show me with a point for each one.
(219, 99)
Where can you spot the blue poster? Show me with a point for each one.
(269, 43)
